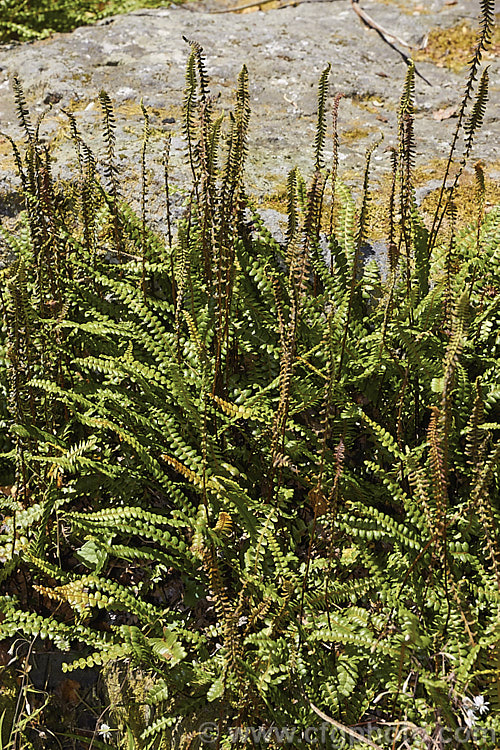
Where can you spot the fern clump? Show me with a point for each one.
(265, 482)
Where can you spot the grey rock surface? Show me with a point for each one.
(143, 55)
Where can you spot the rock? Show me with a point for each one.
(143, 55)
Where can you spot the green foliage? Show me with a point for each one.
(266, 483)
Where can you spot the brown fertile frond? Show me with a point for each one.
(335, 159)
(419, 483)
(224, 524)
(459, 325)
(487, 24)
(22, 110)
(225, 610)
(480, 502)
(292, 205)
(193, 477)
(439, 474)
(474, 449)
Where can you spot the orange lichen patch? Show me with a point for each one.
(454, 47)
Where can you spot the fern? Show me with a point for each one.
(319, 141)
(262, 483)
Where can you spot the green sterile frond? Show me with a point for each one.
(382, 435)
(347, 222)
(370, 524)
(17, 621)
(128, 521)
(48, 569)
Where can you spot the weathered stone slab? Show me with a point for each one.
(143, 55)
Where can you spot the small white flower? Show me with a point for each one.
(470, 718)
(480, 704)
(105, 731)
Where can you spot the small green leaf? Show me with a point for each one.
(92, 555)
(437, 385)
(216, 689)
(168, 648)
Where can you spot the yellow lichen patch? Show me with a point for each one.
(465, 198)
(409, 7)
(6, 153)
(276, 200)
(435, 168)
(265, 5)
(131, 110)
(431, 170)
(454, 47)
(371, 103)
(128, 108)
(355, 134)
(351, 176)
(377, 221)
(62, 134)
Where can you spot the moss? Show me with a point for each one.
(454, 47)
(28, 21)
